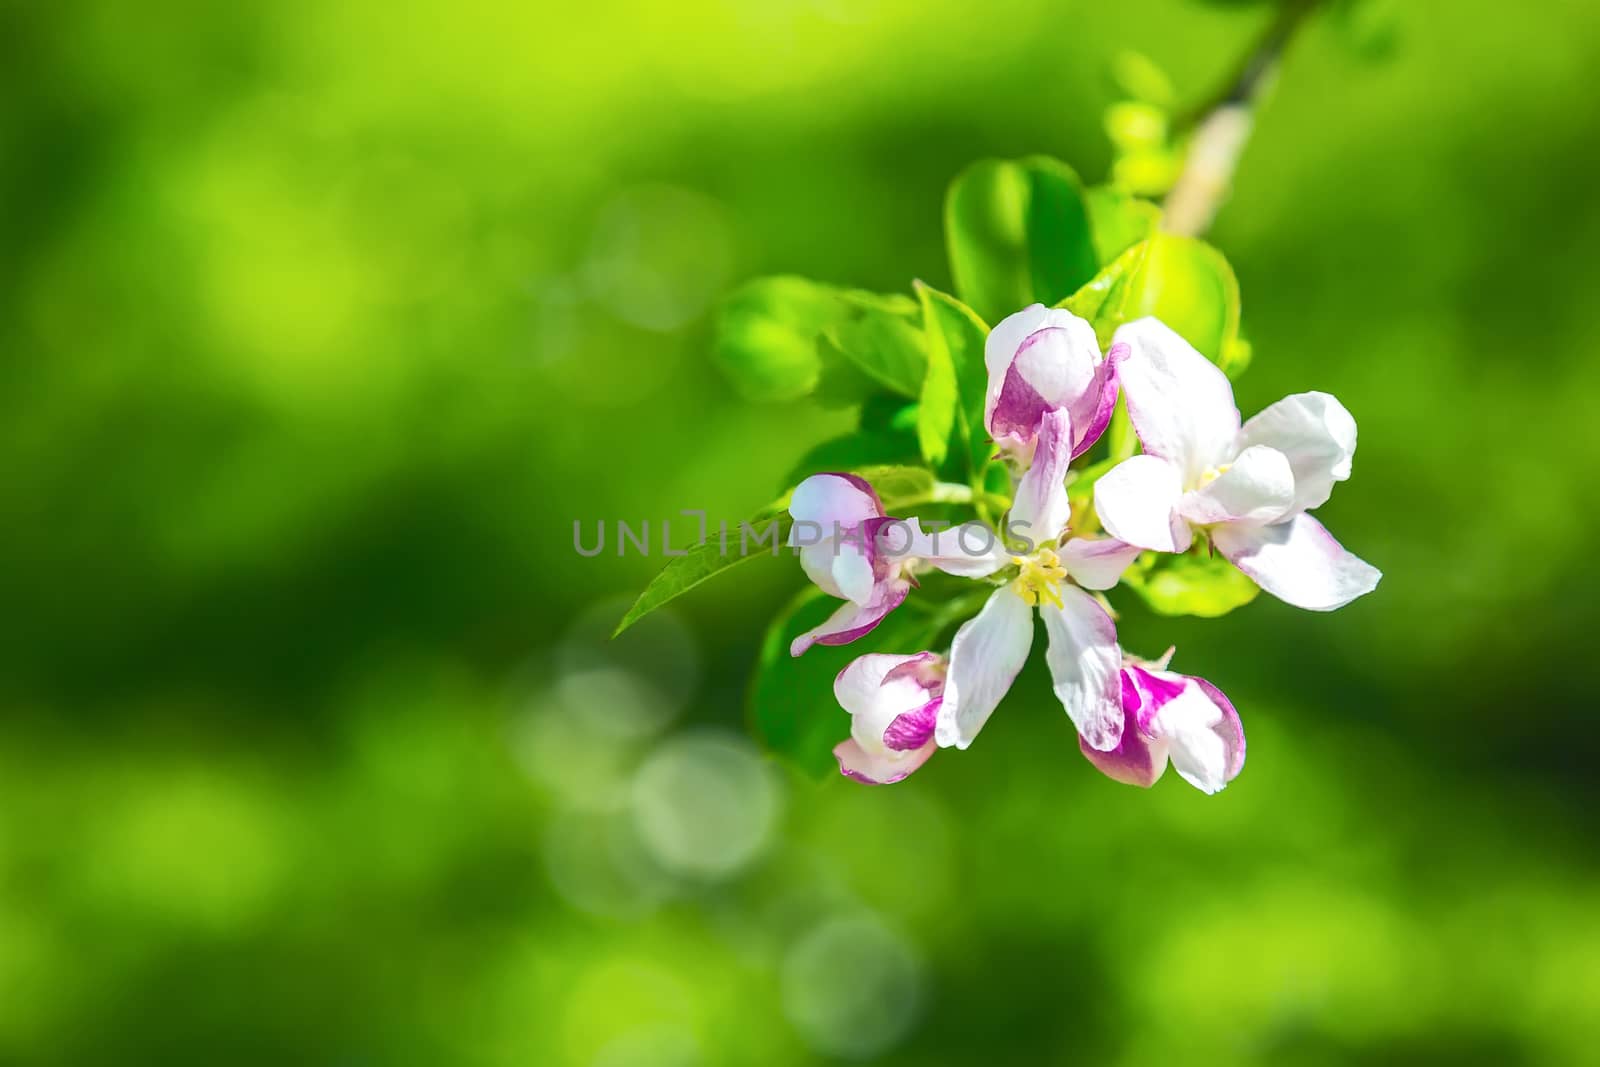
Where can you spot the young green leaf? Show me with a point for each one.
(900, 486)
(960, 333)
(852, 451)
(1138, 75)
(763, 534)
(766, 336)
(953, 393)
(1119, 221)
(1189, 285)
(768, 531)
(1182, 281)
(1195, 583)
(1018, 233)
(1107, 300)
(882, 337)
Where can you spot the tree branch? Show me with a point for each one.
(1222, 128)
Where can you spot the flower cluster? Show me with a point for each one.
(1246, 488)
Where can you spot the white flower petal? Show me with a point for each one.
(1000, 348)
(1181, 405)
(1085, 665)
(1038, 359)
(970, 550)
(882, 767)
(1257, 487)
(1317, 435)
(985, 656)
(874, 696)
(1097, 564)
(1298, 562)
(1137, 501)
(826, 499)
(1040, 511)
(839, 568)
(1204, 739)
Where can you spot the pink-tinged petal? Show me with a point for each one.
(1298, 562)
(1091, 416)
(1181, 405)
(985, 656)
(1097, 564)
(1013, 424)
(1155, 688)
(1040, 510)
(878, 768)
(853, 620)
(1318, 436)
(1257, 487)
(914, 728)
(927, 669)
(879, 686)
(826, 499)
(970, 550)
(1085, 666)
(1038, 359)
(1205, 740)
(1138, 759)
(893, 702)
(1137, 503)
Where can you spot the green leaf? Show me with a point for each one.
(900, 486)
(881, 336)
(1138, 76)
(1107, 299)
(785, 337)
(897, 486)
(710, 558)
(1182, 281)
(1189, 285)
(766, 336)
(884, 411)
(1119, 221)
(841, 383)
(1195, 583)
(1134, 126)
(1236, 357)
(1017, 232)
(860, 448)
(953, 391)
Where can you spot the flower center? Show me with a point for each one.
(1211, 474)
(1040, 578)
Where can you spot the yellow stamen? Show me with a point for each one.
(1211, 474)
(1040, 578)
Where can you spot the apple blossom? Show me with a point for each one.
(845, 559)
(1177, 718)
(892, 701)
(1040, 359)
(1052, 576)
(1248, 488)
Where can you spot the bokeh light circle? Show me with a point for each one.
(852, 987)
(705, 804)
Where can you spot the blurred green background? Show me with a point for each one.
(321, 324)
